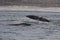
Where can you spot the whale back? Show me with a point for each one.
(38, 18)
(44, 19)
(33, 17)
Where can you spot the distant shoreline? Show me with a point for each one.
(30, 8)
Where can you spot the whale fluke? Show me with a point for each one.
(23, 24)
(38, 18)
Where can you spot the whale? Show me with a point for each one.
(37, 18)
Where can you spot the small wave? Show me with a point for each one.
(8, 20)
(6, 39)
(1, 39)
(23, 24)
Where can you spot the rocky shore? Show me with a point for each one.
(40, 3)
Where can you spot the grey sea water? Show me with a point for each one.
(37, 31)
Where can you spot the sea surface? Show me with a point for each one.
(37, 31)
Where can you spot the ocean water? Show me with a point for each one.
(37, 31)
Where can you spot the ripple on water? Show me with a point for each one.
(6, 39)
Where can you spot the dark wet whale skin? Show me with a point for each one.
(38, 18)
(33, 17)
